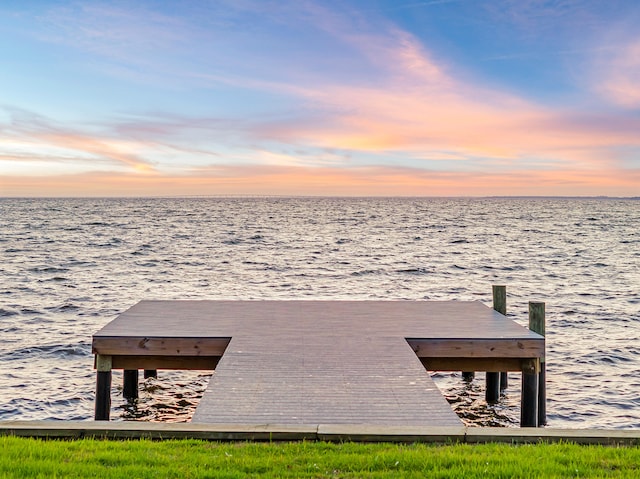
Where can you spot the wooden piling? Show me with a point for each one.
(493, 379)
(468, 376)
(103, 388)
(150, 373)
(533, 411)
(500, 305)
(492, 395)
(130, 384)
(537, 324)
(500, 299)
(529, 400)
(504, 381)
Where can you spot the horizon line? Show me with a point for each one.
(248, 196)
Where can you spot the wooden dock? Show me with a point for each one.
(315, 362)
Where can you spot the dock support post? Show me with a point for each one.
(529, 398)
(504, 381)
(150, 373)
(492, 394)
(103, 388)
(494, 380)
(537, 325)
(468, 376)
(130, 384)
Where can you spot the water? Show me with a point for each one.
(69, 266)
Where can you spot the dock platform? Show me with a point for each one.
(315, 362)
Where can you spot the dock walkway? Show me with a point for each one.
(315, 362)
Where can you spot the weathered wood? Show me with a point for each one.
(492, 391)
(104, 362)
(537, 319)
(478, 364)
(130, 384)
(504, 380)
(224, 319)
(103, 396)
(316, 362)
(325, 378)
(529, 400)
(477, 348)
(542, 395)
(497, 382)
(154, 346)
(530, 366)
(204, 363)
(531, 394)
(500, 299)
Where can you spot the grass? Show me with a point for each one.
(34, 458)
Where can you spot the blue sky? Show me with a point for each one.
(137, 98)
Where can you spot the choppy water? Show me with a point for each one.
(69, 266)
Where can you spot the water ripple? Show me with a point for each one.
(69, 266)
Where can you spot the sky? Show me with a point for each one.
(319, 97)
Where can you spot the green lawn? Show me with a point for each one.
(24, 458)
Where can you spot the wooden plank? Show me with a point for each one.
(166, 362)
(419, 319)
(477, 348)
(472, 364)
(154, 346)
(367, 380)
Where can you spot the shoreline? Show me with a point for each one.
(314, 432)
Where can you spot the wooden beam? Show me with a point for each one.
(477, 348)
(156, 346)
(207, 363)
(473, 364)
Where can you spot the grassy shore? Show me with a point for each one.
(25, 458)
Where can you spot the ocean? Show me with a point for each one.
(69, 266)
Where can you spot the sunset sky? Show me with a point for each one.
(319, 97)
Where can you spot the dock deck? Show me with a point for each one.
(316, 362)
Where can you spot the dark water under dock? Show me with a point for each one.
(69, 266)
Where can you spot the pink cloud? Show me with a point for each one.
(619, 76)
(37, 138)
(413, 106)
(418, 105)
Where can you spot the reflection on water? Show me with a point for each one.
(161, 399)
